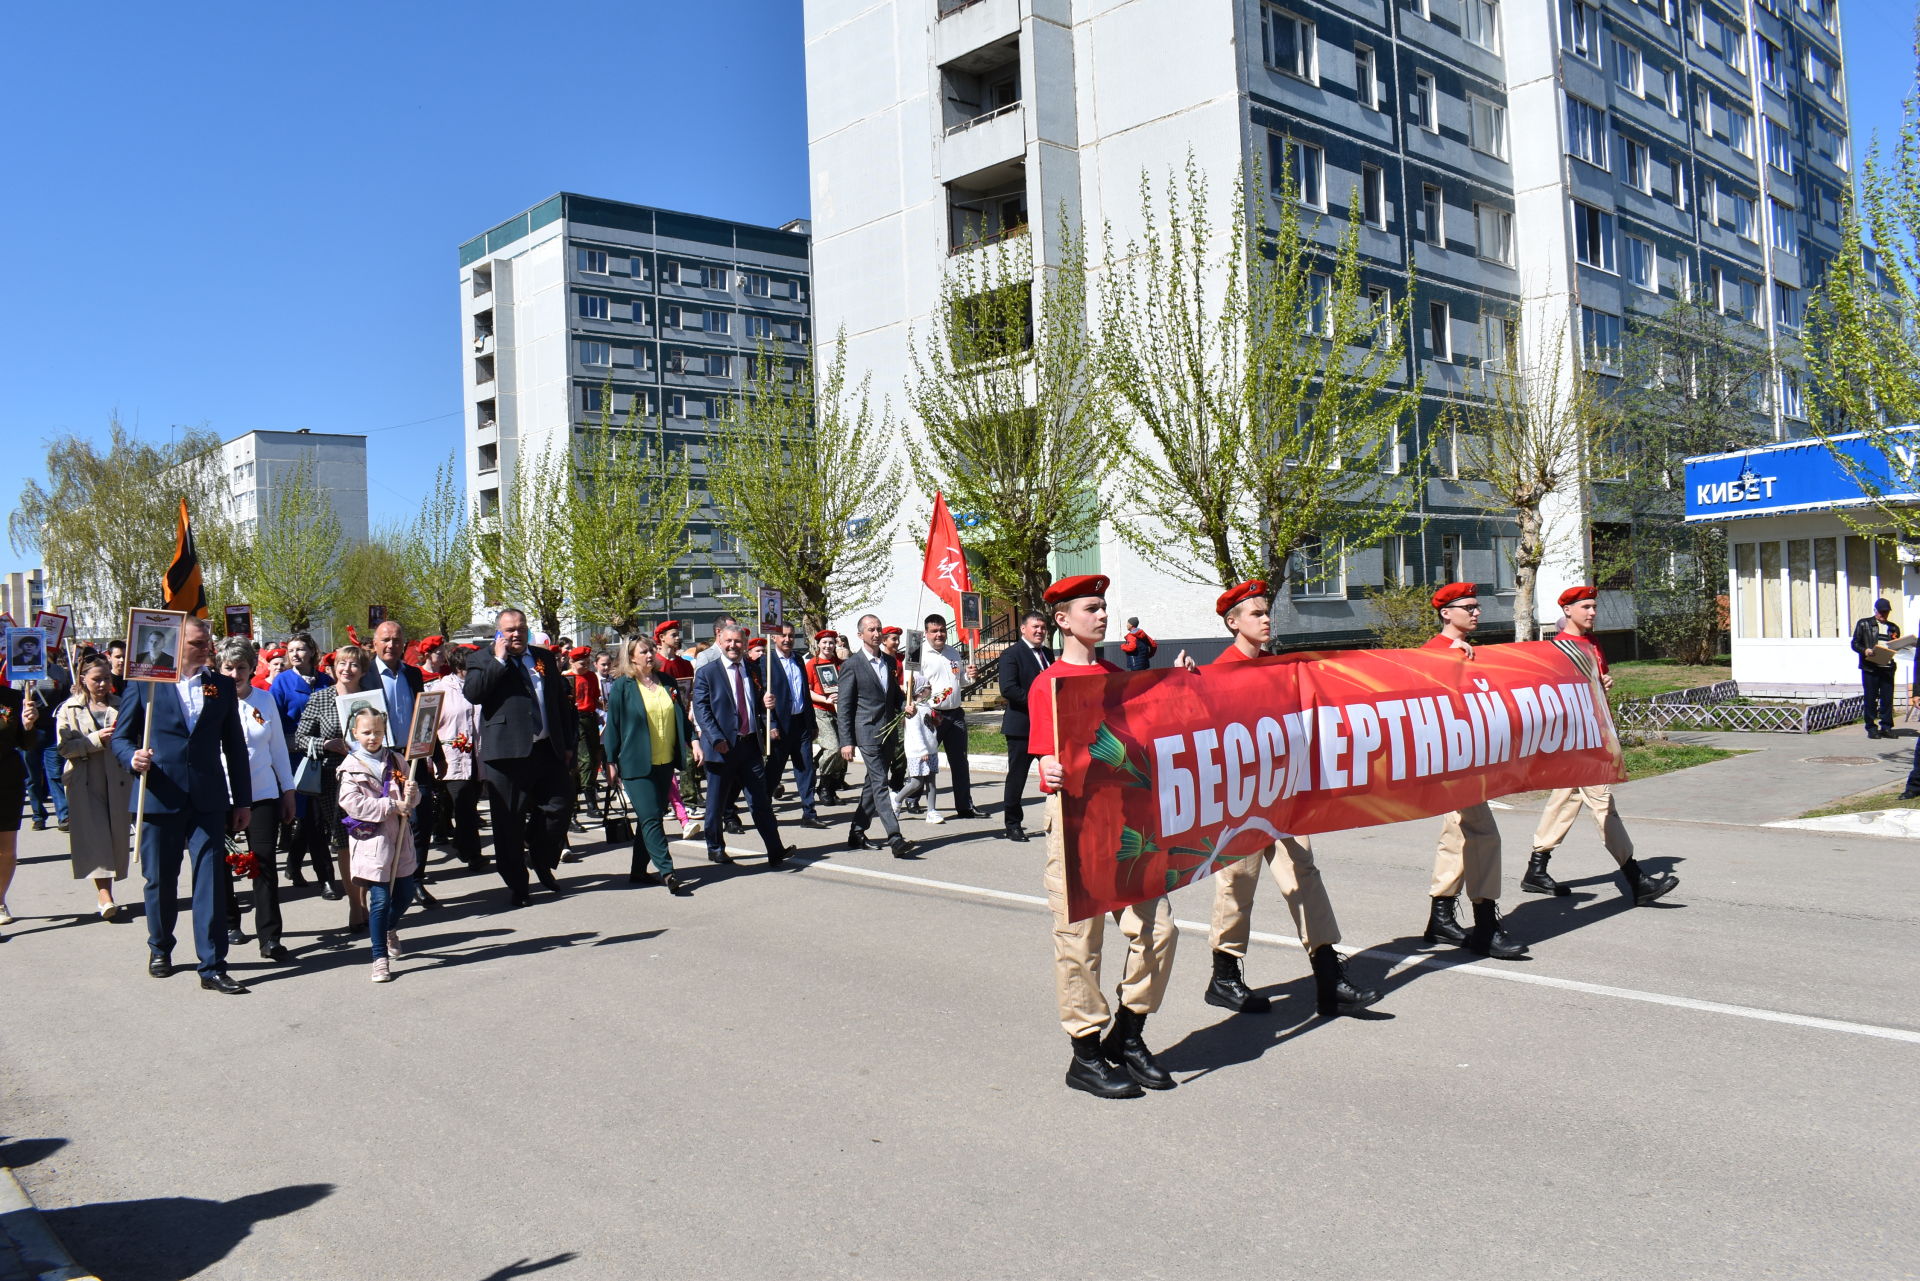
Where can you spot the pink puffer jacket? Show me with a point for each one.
(382, 849)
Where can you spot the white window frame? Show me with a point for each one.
(1499, 341)
(1426, 97)
(1373, 196)
(1310, 175)
(1306, 53)
(1595, 327)
(1481, 23)
(1583, 30)
(1789, 310)
(1779, 142)
(596, 355)
(585, 259)
(1366, 77)
(1629, 68)
(1740, 132)
(1636, 163)
(1331, 582)
(1591, 223)
(1746, 218)
(1786, 228)
(1793, 398)
(1501, 222)
(1587, 132)
(1676, 98)
(1677, 172)
(1320, 304)
(594, 307)
(1642, 265)
(1682, 275)
(1434, 215)
(1440, 332)
(1486, 118)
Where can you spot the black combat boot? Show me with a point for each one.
(1332, 992)
(1228, 991)
(1487, 938)
(1538, 880)
(1442, 925)
(1647, 886)
(1124, 1048)
(1090, 1071)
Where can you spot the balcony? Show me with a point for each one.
(483, 371)
(987, 206)
(482, 281)
(966, 26)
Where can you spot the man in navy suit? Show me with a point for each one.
(192, 803)
(728, 713)
(793, 717)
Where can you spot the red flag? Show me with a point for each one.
(181, 584)
(946, 568)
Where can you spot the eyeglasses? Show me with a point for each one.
(1471, 609)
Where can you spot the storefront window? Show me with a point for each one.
(1806, 588)
(1770, 590)
(1746, 570)
(1799, 586)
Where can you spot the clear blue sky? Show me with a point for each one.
(245, 215)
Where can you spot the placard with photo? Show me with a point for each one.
(153, 644)
(349, 704)
(26, 653)
(973, 612)
(773, 611)
(376, 615)
(54, 624)
(424, 734)
(240, 621)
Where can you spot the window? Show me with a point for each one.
(1586, 132)
(591, 260)
(1433, 215)
(1310, 176)
(1787, 307)
(1593, 236)
(1740, 131)
(1773, 66)
(1733, 46)
(594, 307)
(1786, 228)
(1793, 401)
(1677, 170)
(593, 399)
(1440, 331)
(1779, 144)
(1821, 72)
(1717, 290)
(1316, 570)
(1744, 210)
(1682, 275)
(1426, 102)
(1487, 125)
(1504, 551)
(637, 268)
(1673, 96)
(1583, 29)
(1814, 589)
(1483, 23)
(1638, 163)
(1628, 71)
(1703, 108)
(759, 327)
(596, 354)
(1320, 304)
(1366, 78)
(1750, 301)
(639, 314)
(1380, 300)
(1493, 233)
(1643, 266)
(718, 322)
(1289, 41)
(1600, 336)
(1710, 198)
(1373, 195)
(1501, 341)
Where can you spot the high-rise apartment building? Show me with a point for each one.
(1565, 163)
(580, 307)
(259, 466)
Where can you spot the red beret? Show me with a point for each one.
(1234, 595)
(761, 641)
(891, 631)
(1451, 593)
(1074, 588)
(273, 652)
(660, 629)
(428, 643)
(578, 651)
(1575, 594)
(826, 636)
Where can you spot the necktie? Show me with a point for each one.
(740, 702)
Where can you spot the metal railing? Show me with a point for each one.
(981, 119)
(1715, 707)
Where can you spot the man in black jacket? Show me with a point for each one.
(1876, 678)
(527, 729)
(868, 721)
(1020, 662)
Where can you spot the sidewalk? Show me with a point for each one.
(29, 1251)
(1778, 776)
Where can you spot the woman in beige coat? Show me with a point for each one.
(99, 788)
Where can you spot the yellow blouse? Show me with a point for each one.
(660, 716)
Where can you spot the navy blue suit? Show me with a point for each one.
(798, 730)
(733, 756)
(189, 804)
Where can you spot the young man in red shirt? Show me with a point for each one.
(1579, 608)
(823, 685)
(1469, 852)
(1247, 611)
(1117, 1066)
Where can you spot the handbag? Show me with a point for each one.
(309, 779)
(620, 827)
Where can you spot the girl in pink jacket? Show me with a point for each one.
(377, 796)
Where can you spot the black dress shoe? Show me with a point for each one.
(331, 892)
(1015, 834)
(549, 882)
(277, 954)
(776, 857)
(237, 937)
(221, 983)
(1872, 732)
(904, 848)
(294, 878)
(424, 899)
(815, 822)
(720, 856)
(159, 967)
(857, 840)
(731, 826)
(642, 878)
(678, 884)
(969, 812)
(520, 898)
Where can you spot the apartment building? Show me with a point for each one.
(259, 465)
(1548, 169)
(580, 308)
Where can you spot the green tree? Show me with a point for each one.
(1523, 431)
(377, 572)
(103, 524)
(626, 519)
(525, 554)
(1016, 422)
(289, 567)
(1268, 382)
(1692, 382)
(805, 478)
(437, 552)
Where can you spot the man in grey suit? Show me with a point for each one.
(868, 718)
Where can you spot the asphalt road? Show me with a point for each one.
(826, 1071)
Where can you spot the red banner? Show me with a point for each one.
(1170, 774)
(945, 569)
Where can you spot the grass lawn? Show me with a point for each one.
(1886, 800)
(1643, 678)
(1649, 759)
(985, 741)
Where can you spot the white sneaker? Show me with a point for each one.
(6, 917)
(933, 816)
(393, 945)
(894, 799)
(692, 829)
(380, 972)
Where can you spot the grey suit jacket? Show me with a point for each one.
(867, 708)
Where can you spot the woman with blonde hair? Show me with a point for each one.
(323, 738)
(99, 787)
(647, 739)
(377, 798)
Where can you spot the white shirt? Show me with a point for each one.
(539, 694)
(193, 697)
(943, 669)
(881, 664)
(270, 772)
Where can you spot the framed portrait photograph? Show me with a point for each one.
(773, 608)
(973, 612)
(153, 644)
(376, 615)
(240, 621)
(350, 705)
(54, 624)
(829, 677)
(424, 733)
(26, 654)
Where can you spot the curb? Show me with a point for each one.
(25, 1233)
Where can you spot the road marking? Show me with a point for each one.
(1448, 963)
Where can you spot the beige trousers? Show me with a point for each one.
(1300, 885)
(1076, 947)
(1469, 855)
(1564, 806)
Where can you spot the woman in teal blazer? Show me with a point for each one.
(643, 762)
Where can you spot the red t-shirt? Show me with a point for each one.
(1442, 641)
(675, 668)
(1040, 701)
(586, 691)
(1233, 655)
(1599, 659)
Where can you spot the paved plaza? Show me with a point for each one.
(850, 1067)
